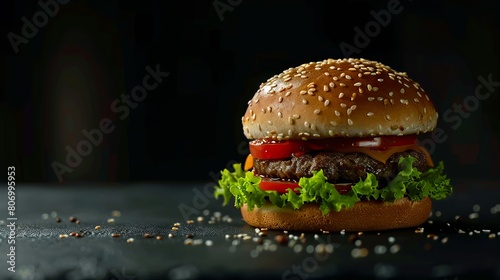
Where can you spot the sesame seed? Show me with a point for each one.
(404, 101)
(303, 92)
(375, 88)
(342, 74)
(353, 96)
(380, 80)
(352, 69)
(303, 76)
(332, 84)
(333, 123)
(349, 121)
(337, 113)
(391, 93)
(369, 114)
(388, 117)
(295, 116)
(326, 74)
(326, 102)
(369, 87)
(357, 84)
(288, 78)
(307, 124)
(416, 100)
(402, 90)
(342, 84)
(348, 77)
(341, 95)
(419, 94)
(343, 105)
(317, 111)
(304, 101)
(326, 88)
(280, 99)
(320, 98)
(371, 98)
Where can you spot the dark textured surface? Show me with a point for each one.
(449, 248)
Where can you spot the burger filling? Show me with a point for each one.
(338, 167)
(336, 173)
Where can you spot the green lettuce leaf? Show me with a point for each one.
(243, 186)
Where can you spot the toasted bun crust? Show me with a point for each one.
(364, 216)
(338, 98)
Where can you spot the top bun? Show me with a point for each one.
(338, 98)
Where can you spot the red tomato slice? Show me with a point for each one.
(268, 149)
(282, 186)
(272, 149)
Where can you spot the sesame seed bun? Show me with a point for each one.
(338, 98)
(363, 216)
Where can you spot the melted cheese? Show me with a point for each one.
(248, 163)
(384, 155)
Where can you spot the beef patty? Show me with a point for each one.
(337, 167)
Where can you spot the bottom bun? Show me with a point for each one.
(363, 216)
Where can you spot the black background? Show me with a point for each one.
(65, 78)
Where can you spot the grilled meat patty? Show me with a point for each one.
(337, 167)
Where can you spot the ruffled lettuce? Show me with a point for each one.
(243, 186)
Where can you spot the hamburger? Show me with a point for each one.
(334, 146)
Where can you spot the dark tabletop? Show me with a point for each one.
(121, 231)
